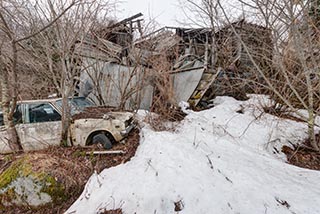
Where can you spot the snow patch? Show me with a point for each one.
(218, 161)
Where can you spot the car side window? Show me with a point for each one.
(1, 120)
(42, 112)
(17, 115)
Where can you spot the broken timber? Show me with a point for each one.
(204, 84)
(126, 20)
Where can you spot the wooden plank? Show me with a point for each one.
(203, 86)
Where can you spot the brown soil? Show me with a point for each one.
(303, 156)
(72, 167)
(300, 155)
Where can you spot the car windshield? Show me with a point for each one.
(77, 104)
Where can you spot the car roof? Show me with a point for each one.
(39, 101)
(46, 100)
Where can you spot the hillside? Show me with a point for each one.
(222, 160)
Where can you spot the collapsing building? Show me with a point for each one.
(195, 64)
(110, 73)
(242, 48)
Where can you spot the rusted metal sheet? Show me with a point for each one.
(116, 85)
(185, 83)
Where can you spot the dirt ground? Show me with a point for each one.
(303, 156)
(73, 167)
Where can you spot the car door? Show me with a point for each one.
(41, 126)
(4, 146)
(17, 118)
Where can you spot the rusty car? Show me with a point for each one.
(38, 124)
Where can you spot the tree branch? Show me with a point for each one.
(48, 25)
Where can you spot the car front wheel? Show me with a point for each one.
(103, 140)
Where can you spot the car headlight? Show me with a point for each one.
(128, 122)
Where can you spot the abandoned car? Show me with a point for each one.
(38, 124)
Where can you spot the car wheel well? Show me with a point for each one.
(106, 133)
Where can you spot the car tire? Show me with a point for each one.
(103, 140)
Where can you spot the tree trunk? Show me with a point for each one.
(65, 120)
(14, 142)
(65, 114)
(311, 132)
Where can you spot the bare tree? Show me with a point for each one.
(61, 46)
(15, 25)
(292, 74)
(204, 14)
(295, 80)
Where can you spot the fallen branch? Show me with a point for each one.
(4, 166)
(106, 152)
(210, 162)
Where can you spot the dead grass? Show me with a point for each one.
(72, 167)
(165, 120)
(282, 112)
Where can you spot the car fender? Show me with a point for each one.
(83, 128)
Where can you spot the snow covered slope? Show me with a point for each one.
(218, 161)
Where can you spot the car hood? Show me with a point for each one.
(123, 116)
